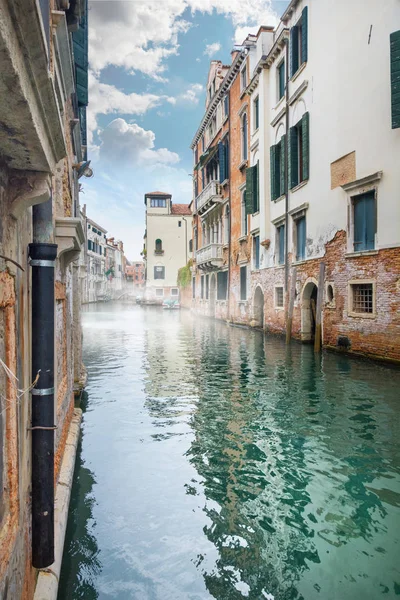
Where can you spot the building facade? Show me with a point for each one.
(167, 245)
(135, 276)
(115, 270)
(43, 97)
(313, 240)
(96, 261)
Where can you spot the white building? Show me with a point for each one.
(96, 261)
(167, 244)
(115, 270)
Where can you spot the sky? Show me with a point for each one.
(149, 62)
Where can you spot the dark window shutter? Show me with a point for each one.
(222, 162)
(304, 34)
(272, 151)
(250, 191)
(294, 50)
(364, 222)
(281, 256)
(305, 125)
(80, 40)
(293, 158)
(395, 77)
(256, 196)
(227, 159)
(282, 183)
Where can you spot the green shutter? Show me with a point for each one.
(282, 183)
(249, 191)
(80, 40)
(305, 125)
(395, 77)
(293, 176)
(304, 35)
(222, 162)
(272, 151)
(256, 184)
(294, 50)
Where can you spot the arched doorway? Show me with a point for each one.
(258, 308)
(308, 311)
(213, 294)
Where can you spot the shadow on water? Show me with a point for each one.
(81, 565)
(231, 466)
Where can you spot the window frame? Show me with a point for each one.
(255, 254)
(156, 271)
(280, 229)
(276, 304)
(296, 220)
(350, 296)
(159, 290)
(256, 113)
(244, 227)
(281, 65)
(243, 291)
(243, 78)
(244, 136)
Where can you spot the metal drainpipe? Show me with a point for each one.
(42, 255)
(230, 215)
(186, 248)
(287, 170)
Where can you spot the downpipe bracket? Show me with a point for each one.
(42, 392)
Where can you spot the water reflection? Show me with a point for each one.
(235, 467)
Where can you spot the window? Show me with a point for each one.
(89, 244)
(395, 77)
(174, 292)
(202, 287)
(89, 226)
(196, 239)
(222, 285)
(223, 158)
(158, 203)
(190, 245)
(299, 159)
(179, 223)
(226, 226)
(278, 169)
(298, 43)
(244, 137)
(193, 287)
(159, 292)
(256, 252)
(244, 214)
(252, 190)
(361, 298)
(300, 225)
(280, 244)
(256, 113)
(281, 80)
(158, 247)
(243, 283)
(226, 106)
(364, 215)
(243, 78)
(207, 285)
(279, 297)
(159, 272)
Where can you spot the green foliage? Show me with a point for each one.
(185, 275)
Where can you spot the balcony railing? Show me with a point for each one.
(211, 193)
(212, 253)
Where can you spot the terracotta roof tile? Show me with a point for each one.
(180, 209)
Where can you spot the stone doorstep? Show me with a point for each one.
(47, 581)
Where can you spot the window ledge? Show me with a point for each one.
(225, 119)
(299, 186)
(280, 198)
(225, 246)
(278, 104)
(243, 238)
(280, 265)
(255, 130)
(255, 214)
(243, 164)
(362, 253)
(361, 315)
(303, 261)
(299, 70)
(225, 182)
(280, 308)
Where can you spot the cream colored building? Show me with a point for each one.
(167, 244)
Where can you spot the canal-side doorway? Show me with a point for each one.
(213, 294)
(258, 308)
(308, 311)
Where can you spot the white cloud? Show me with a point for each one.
(192, 93)
(107, 99)
(141, 36)
(129, 144)
(212, 49)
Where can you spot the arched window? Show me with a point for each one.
(244, 136)
(158, 245)
(226, 226)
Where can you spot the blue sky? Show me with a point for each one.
(149, 62)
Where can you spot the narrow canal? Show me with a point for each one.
(217, 463)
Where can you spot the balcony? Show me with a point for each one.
(209, 257)
(209, 196)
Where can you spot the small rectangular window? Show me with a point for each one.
(179, 223)
(301, 238)
(159, 272)
(193, 287)
(243, 283)
(256, 114)
(279, 297)
(202, 287)
(362, 298)
(222, 285)
(159, 292)
(364, 212)
(174, 292)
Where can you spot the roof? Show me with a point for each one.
(180, 209)
(157, 194)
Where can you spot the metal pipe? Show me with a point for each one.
(186, 247)
(287, 170)
(42, 255)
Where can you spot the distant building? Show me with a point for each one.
(115, 269)
(96, 261)
(135, 275)
(166, 244)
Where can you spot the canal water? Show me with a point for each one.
(216, 462)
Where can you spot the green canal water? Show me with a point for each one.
(218, 463)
